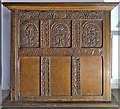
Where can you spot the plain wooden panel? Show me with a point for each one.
(91, 76)
(29, 76)
(60, 75)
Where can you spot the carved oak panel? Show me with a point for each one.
(91, 32)
(45, 76)
(91, 76)
(44, 33)
(60, 76)
(60, 33)
(29, 33)
(75, 76)
(84, 14)
(29, 76)
(76, 33)
(62, 38)
(57, 31)
(58, 14)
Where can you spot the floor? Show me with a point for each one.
(116, 94)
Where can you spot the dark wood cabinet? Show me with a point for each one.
(60, 52)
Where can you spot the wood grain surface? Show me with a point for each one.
(29, 76)
(60, 76)
(91, 76)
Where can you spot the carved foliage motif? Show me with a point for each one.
(45, 76)
(75, 76)
(91, 33)
(48, 14)
(75, 33)
(60, 33)
(29, 33)
(52, 14)
(61, 52)
(44, 34)
(92, 14)
(36, 14)
(84, 14)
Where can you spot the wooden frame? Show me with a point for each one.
(60, 6)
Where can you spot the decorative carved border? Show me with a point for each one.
(45, 76)
(60, 51)
(75, 76)
(75, 33)
(58, 14)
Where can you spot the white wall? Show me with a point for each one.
(5, 48)
(115, 44)
(119, 60)
(115, 78)
(6, 40)
(115, 18)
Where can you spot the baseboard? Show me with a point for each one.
(12, 104)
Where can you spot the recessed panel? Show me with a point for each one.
(29, 33)
(91, 33)
(91, 76)
(60, 76)
(60, 33)
(29, 76)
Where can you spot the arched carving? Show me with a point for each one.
(29, 36)
(60, 34)
(58, 14)
(93, 14)
(89, 14)
(91, 33)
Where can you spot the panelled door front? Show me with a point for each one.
(60, 55)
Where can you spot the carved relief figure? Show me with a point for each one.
(60, 34)
(91, 33)
(29, 36)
